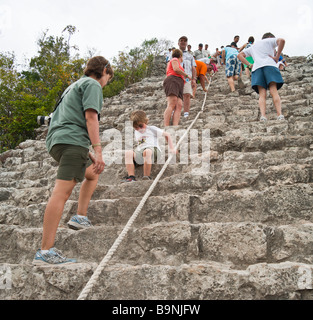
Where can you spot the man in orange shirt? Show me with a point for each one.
(202, 69)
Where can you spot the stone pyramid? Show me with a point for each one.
(241, 230)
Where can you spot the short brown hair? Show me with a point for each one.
(139, 117)
(268, 35)
(96, 65)
(251, 39)
(177, 53)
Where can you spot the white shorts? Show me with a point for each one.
(188, 88)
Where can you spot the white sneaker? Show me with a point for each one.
(281, 117)
(79, 222)
(263, 119)
(53, 256)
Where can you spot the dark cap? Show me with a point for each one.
(200, 45)
(183, 38)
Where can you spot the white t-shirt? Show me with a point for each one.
(149, 138)
(261, 52)
(206, 53)
(205, 60)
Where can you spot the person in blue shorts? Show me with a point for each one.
(265, 72)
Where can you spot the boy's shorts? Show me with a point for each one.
(264, 76)
(73, 161)
(233, 66)
(139, 159)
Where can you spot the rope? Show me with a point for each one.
(121, 237)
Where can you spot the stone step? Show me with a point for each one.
(229, 175)
(248, 138)
(234, 160)
(264, 144)
(204, 281)
(254, 128)
(200, 181)
(171, 243)
(107, 212)
(17, 183)
(27, 282)
(184, 182)
(19, 245)
(275, 205)
(240, 229)
(245, 139)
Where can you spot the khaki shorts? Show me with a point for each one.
(73, 161)
(139, 159)
(188, 88)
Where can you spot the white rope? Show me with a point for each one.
(121, 237)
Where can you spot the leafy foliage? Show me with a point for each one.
(133, 65)
(34, 91)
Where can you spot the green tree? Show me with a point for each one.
(10, 91)
(54, 63)
(34, 91)
(131, 66)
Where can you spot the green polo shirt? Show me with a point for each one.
(68, 123)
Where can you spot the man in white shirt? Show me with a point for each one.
(189, 65)
(206, 52)
(199, 54)
(265, 73)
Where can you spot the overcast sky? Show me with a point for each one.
(110, 26)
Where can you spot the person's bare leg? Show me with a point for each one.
(231, 83)
(129, 159)
(194, 90)
(202, 82)
(177, 112)
(276, 97)
(171, 104)
(87, 189)
(187, 102)
(53, 213)
(262, 101)
(147, 166)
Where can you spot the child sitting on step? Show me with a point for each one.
(148, 150)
